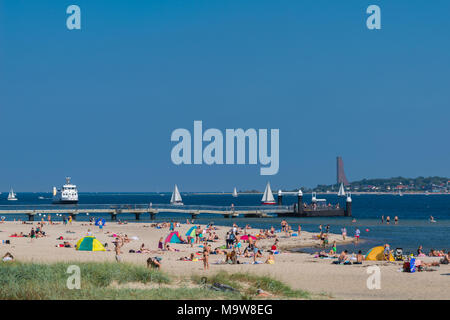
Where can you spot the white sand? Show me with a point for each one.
(301, 271)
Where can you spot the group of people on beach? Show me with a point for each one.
(235, 239)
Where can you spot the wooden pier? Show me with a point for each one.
(139, 210)
(298, 209)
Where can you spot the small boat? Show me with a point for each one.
(268, 195)
(12, 195)
(67, 194)
(235, 194)
(341, 192)
(176, 197)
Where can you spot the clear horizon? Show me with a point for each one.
(99, 104)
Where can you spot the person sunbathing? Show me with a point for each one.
(190, 258)
(143, 249)
(65, 244)
(343, 258)
(445, 259)
(169, 248)
(218, 251)
(421, 265)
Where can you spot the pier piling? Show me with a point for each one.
(280, 198)
(348, 208)
(300, 202)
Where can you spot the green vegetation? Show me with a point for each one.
(32, 281)
(248, 285)
(431, 184)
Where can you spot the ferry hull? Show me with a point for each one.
(65, 201)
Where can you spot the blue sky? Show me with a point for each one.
(99, 104)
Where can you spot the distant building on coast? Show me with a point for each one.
(340, 174)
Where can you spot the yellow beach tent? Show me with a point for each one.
(377, 254)
(89, 244)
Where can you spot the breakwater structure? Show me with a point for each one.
(317, 208)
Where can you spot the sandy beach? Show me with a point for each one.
(299, 270)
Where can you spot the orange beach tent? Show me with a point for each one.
(377, 254)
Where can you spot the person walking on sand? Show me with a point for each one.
(205, 258)
(118, 244)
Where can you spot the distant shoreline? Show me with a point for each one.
(330, 193)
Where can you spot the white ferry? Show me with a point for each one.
(67, 194)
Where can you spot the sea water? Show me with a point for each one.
(413, 229)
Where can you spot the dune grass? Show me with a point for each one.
(248, 285)
(32, 281)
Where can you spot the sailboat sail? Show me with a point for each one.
(235, 194)
(268, 195)
(176, 197)
(12, 195)
(341, 192)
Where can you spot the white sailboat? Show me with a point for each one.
(341, 192)
(12, 195)
(268, 195)
(235, 194)
(176, 197)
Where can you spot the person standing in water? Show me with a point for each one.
(388, 219)
(344, 233)
(382, 219)
(395, 220)
(357, 234)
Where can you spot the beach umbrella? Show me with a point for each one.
(191, 232)
(89, 243)
(248, 236)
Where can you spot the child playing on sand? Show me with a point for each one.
(270, 258)
(154, 262)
